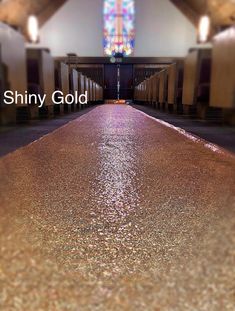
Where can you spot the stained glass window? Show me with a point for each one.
(119, 29)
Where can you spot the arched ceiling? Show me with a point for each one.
(15, 12)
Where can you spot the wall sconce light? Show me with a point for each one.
(204, 28)
(33, 29)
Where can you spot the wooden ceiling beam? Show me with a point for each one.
(15, 12)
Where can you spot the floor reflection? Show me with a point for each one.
(117, 180)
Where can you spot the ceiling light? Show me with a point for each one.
(204, 28)
(33, 29)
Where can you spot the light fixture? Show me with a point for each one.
(204, 28)
(33, 29)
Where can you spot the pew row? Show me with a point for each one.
(32, 75)
(182, 87)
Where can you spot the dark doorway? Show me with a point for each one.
(118, 81)
(110, 82)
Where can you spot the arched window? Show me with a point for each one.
(119, 27)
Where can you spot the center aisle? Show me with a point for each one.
(115, 211)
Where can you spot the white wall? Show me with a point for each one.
(161, 30)
(77, 27)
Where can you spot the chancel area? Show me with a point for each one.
(117, 165)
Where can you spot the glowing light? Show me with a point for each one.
(119, 31)
(33, 28)
(204, 28)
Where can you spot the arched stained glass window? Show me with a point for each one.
(119, 27)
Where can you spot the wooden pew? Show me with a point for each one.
(87, 88)
(223, 74)
(145, 91)
(94, 92)
(155, 96)
(149, 91)
(4, 86)
(140, 93)
(40, 70)
(13, 56)
(97, 92)
(163, 88)
(137, 93)
(148, 87)
(62, 84)
(175, 86)
(91, 91)
(82, 86)
(196, 85)
(100, 94)
(74, 86)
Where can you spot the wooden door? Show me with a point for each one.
(111, 81)
(118, 81)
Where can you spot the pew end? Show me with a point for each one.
(13, 71)
(62, 85)
(73, 86)
(40, 70)
(196, 85)
(163, 88)
(223, 75)
(175, 87)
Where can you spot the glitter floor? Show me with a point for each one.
(116, 211)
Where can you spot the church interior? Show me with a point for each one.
(117, 164)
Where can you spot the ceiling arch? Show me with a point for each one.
(15, 12)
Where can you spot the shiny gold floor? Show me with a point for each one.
(115, 211)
